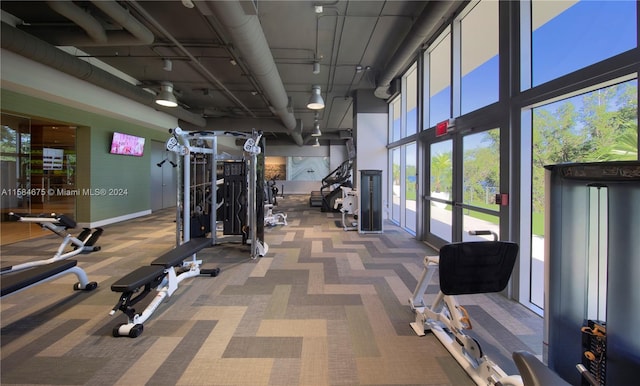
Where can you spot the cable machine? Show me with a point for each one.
(204, 199)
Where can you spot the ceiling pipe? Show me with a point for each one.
(247, 124)
(39, 51)
(88, 23)
(126, 20)
(434, 14)
(248, 38)
(196, 63)
(95, 35)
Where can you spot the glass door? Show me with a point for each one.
(38, 173)
(480, 182)
(464, 179)
(15, 177)
(439, 204)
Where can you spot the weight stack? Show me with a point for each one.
(594, 350)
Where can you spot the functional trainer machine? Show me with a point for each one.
(165, 273)
(242, 186)
(464, 268)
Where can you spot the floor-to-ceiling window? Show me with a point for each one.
(403, 124)
(595, 119)
(395, 184)
(438, 68)
(573, 98)
(410, 191)
(478, 40)
(597, 126)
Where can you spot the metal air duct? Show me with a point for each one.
(135, 33)
(39, 51)
(435, 13)
(248, 38)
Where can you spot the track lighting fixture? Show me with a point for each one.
(316, 130)
(315, 102)
(316, 68)
(167, 65)
(316, 142)
(166, 97)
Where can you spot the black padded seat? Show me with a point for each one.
(138, 278)
(177, 255)
(534, 372)
(476, 267)
(65, 221)
(12, 282)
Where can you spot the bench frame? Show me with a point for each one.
(58, 224)
(173, 267)
(24, 279)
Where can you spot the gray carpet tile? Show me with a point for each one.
(323, 307)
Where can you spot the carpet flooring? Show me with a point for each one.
(324, 306)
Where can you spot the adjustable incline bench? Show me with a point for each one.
(58, 224)
(26, 278)
(164, 274)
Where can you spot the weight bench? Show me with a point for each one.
(58, 224)
(164, 274)
(26, 278)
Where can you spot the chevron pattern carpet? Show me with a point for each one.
(323, 307)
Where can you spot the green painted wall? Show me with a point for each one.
(120, 185)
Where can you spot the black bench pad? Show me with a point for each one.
(136, 279)
(177, 255)
(476, 267)
(12, 282)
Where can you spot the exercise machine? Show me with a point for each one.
(330, 189)
(348, 206)
(165, 273)
(464, 268)
(273, 219)
(535, 373)
(58, 224)
(242, 185)
(272, 191)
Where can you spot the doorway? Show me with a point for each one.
(38, 173)
(464, 178)
(164, 171)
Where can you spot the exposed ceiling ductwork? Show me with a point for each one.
(236, 65)
(248, 38)
(95, 34)
(37, 50)
(434, 15)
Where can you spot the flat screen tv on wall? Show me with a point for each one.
(127, 144)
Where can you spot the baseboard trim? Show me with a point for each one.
(114, 220)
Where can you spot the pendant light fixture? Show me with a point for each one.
(315, 102)
(166, 97)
